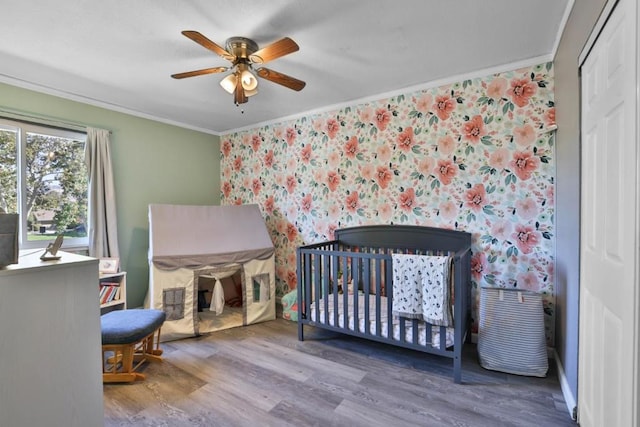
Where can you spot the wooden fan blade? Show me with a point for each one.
(281, 79)
(275, 50)
(199, 72)
(205, 42)
(239, 96)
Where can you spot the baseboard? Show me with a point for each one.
(566, 390)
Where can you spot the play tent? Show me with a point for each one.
(201, 258)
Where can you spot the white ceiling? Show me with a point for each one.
(119, 54)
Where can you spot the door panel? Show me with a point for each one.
(609, 226)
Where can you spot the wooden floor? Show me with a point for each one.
(261, 375)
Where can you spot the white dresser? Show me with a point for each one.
(50, 345)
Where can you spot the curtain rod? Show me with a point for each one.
(19, 115)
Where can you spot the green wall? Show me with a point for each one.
(152, 163)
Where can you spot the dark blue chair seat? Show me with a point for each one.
(129, 326)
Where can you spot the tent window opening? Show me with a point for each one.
(261, 289)
(173, 303)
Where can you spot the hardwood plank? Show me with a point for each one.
(262, 375)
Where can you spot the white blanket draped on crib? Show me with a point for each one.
(421, 288)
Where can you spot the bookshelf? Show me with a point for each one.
(113, 291)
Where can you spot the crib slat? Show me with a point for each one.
(345, 294)
(367, 287)
(316, 282)
(335, 264)
(389, 290)
(378, 285)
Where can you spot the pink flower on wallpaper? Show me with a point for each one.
(226, 189)
(292, 162)
(366, 115)
(497, 88)
(237, 201)
(334, 211)
(305, 154)
(499, 159)
(278, 133)
(476, 197)
(526, 237)
(407, 200)
(246, 140)
(446, 170)
(269, 204)
(524, 164)
(501, 229)
(385, 211)
(384, 153)
(383, 176)
(550, 116)
(255, 142)
(448, 210)
(351, 147)
(292, 232)
(292, 279)
(527, 208)
(406, 139)
(425, 165)
(333, 159)
(524, 135)
(424, 103)
(305, 203)
(290, 136)
(473, 130)
(521, 90)
(529, 281)
(352, 202)
(549, 194)
(333, 180)
(332, 127)
(382, 118)
(319, 227)
(291, 184)
(268, 159)
(237, 163)
(444, 106)
(331, 231)
(318, 125)
(226, 147)
(367, 171)
(446, 145)
(256, 186)
(478, 265)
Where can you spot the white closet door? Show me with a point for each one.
(607, 384)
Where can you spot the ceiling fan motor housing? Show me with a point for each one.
(241, 47)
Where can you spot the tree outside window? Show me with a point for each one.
(44, 178)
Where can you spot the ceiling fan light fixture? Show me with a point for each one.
(249, 93)
(248, 80)
(229, 83)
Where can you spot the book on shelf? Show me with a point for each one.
(109, 291)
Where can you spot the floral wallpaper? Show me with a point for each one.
(476, 155)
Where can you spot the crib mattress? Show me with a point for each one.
(371, 327)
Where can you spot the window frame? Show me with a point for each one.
(22, 128)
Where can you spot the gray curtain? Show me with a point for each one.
(103, 230)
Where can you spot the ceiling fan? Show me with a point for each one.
(243, 53)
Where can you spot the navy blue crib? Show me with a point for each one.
(345, 285)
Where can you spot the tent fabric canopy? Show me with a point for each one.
(192, 236)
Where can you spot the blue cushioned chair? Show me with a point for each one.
(129, 336)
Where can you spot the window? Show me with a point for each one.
(44, 178)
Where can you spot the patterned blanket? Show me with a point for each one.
(421, 288)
